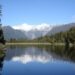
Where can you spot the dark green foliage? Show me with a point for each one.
(2, 37)
(62, 37)
(1, 31)
(71, 35)
(68, 36)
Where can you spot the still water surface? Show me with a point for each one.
(38, 60)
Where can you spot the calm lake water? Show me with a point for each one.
(38, 60)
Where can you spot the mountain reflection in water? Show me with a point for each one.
(39, 60)
(42, 54)
(2, 55)
(29, 54)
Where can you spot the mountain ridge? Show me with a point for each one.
(10, 32)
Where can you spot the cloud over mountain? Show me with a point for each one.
(26, 31)
(27, 27)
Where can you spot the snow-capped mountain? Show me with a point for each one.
(26, 31)
(27, 27)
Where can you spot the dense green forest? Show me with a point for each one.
(2, 40)
(60, 37)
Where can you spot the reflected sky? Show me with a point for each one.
(33, 60)
(30, 54)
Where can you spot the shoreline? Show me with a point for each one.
(35, 44)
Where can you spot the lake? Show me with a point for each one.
(37, 60)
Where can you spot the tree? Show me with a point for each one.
(1, 31)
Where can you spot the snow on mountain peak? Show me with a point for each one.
(27, 27)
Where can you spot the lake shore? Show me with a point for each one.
(35, 44)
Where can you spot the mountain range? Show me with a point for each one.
(23, 32)
(60, 28)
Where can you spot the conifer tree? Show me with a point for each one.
(1, 31)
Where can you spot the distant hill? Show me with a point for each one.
(61, 28)
(10, 33)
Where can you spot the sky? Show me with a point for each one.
(35, 12)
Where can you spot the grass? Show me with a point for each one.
(35, 43)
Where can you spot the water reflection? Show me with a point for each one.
(70, 53)
(66, 53)
(28, 54)
(2, 55)
(39, 60)
(39, 53)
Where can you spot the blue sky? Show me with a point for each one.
(38, 11)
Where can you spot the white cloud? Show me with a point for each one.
(29, 58)
(23, 27)
(28, 27)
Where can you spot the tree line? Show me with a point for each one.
(61, 37)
